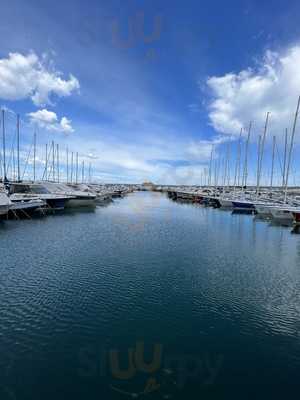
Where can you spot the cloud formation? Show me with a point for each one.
(26, 76)
(249, 94)
(49, 120)
(163, 159)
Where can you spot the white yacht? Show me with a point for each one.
(76, 198)
(226, 202)
(28, 190)
(24, 205)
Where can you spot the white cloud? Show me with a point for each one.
(26, 76)
(49, 120)
(201, 149)
(249, 94)
(162, 159)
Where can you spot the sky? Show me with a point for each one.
(150, 90)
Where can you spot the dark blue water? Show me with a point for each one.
(216, 295)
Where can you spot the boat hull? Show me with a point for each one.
(283, 215)
(80, 202)
(263, 211)
(4, 210)
(4, 204)
(56, 204)
(23, 209)
(225, 203)
(297, 217)
(243, 206)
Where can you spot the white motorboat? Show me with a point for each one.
(225, 203)
(38, 191)
(5, 202)
(24, 204)
(77, 198)
(263, 210)
(282, 213)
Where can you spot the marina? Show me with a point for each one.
(149, 200)
(26, 198)
(141, 269)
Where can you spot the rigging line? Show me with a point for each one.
(11, 152)
(47, 166)
(28, 155)
(279, 158)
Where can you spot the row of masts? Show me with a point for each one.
(52, 171)
(241, 174)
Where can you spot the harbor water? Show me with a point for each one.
(147, 298)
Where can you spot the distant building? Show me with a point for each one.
(148, 186)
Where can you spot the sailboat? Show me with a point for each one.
(286, 212)
(242, 203)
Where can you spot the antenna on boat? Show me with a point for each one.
(291, 150)
(4, 147)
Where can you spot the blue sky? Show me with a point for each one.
(149, 106)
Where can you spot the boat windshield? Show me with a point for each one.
(39, 190)
(20, 189)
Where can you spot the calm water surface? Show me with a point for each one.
(217, 295)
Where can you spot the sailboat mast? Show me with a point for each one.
(228, 168)
(67, 165)
(4, 146)
(72, 167)
(46, 162)
(34, 156)
(291, 150)
(18, 147)
(273, 160)
(82, 178)
(245, 173)
(285, 158)
(238, 163)
(215, 174)
(262, 147)
(76, 176)
(53, 162)
(210, 166)
(258, 164)
(57, 161)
